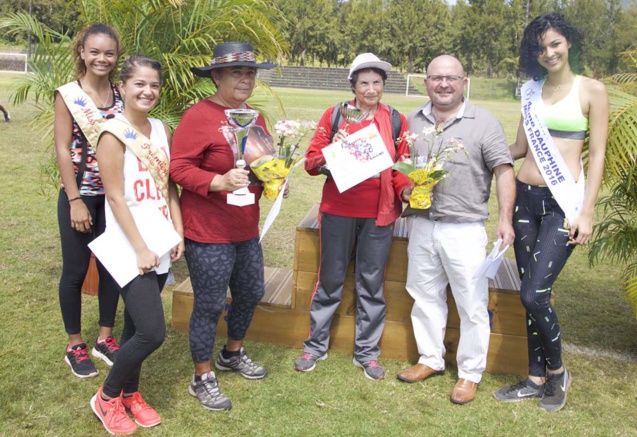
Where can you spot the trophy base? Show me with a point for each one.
(240, 199)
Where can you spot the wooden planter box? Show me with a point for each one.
(283, 316)
(92, 278)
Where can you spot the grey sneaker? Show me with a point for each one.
(307, 362)
(520, 391)
(371, 368)
(208, 393)
(242, 364)
(554, 397)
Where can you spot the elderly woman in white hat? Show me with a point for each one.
(363, 215)
(222, 240)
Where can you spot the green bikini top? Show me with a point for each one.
(564, 119)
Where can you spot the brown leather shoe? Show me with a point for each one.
(419, 372)
(464, 391)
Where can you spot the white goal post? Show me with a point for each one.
(13, 62)
(423, 94)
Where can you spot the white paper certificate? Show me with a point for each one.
(491, 264)
(116, 253)
(363, 156)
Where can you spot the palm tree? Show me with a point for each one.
(178, 33)
(615, 237)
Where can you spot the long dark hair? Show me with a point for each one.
(80, 40)
(530, 46)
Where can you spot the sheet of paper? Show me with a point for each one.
(276, 206)
(361, 157)
(116, 253)
(489, 267)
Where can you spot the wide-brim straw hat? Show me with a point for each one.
(231, 54)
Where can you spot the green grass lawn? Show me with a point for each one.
(40, 397)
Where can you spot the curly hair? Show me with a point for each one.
(135, 61)
(530, 47)
(80, 40)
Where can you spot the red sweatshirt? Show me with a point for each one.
(199, 153)
(377, 198)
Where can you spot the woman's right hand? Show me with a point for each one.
(146, 260)
(81, 219)
(235, 179)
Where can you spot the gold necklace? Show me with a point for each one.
(558, 87)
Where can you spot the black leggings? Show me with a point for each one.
(144, 331)
(75, 261)
(214, 267)
(541, 250)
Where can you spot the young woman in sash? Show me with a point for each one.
(555, 203)
(80, 108)
(134, 157)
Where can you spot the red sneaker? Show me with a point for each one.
(112, 414)
(143, 413)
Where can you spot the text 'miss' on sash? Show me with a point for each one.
(83, 110)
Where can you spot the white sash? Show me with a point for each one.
(83, 110)
(152, 157)
(568, 193)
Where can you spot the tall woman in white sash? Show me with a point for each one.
(552, 214)
(132, 181)
(80, 106)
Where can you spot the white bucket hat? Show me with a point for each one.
(368, 60)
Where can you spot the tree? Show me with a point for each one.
(418, 32)
(615, 237)
(55, 14)
(309, 27)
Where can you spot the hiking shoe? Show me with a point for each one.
(112, 414)
(106, 350)
(555, 391)
(520, 391)
(80, 363)
(307, 362)
(208, 393)
(144, 415)
(242, 364)
(371, 368)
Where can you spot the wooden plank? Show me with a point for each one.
(307, 256)
(92, 279)
(505, 309)
(507, 354)
(278, 288)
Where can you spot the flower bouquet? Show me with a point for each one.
(272, 169)
(426, 171)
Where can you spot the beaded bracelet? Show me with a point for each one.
(75, 198)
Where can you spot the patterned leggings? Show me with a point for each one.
(214, 267)
(541, 250)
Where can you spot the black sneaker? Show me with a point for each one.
(208, 393)
(80, 363)
(106, 350)
(7, 117)
(242, 364)
(521, 391)
(557, 385)
(371, 369)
